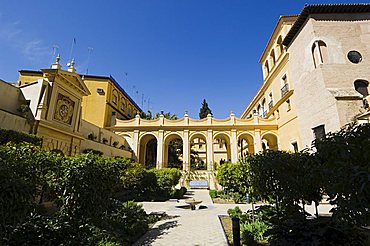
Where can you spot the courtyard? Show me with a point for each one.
(195, 227)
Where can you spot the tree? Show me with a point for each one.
(204, 110)
(151, 116)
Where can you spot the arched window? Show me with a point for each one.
(267, 69)
(259, 110)
(264, 109)
(115, 97)
(272, 58)
(279, 46)
(319, 53)
(361, 87)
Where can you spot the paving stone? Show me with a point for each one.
(193, 227)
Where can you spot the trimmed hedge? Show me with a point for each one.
(7, 136)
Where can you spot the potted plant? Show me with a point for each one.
(105, 141)
(115, 144)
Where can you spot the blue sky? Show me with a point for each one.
(174, 52)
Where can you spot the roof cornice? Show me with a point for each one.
(322, 9)
(279, 25)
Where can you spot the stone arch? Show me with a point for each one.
(198, 151)
(221, 147)
(128, 138)
(361, 86)
(168, 160)
(319, 52)
(245, 144)
(270, 141)
(148, 145)
(279, 46)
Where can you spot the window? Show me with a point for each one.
(295, 147)
(354, 56)
(319, 53)
(114, 97)
(289, 107)
(361, 87)
(267, 69)
(285, 88)
(272, 58)
(123, 104)
(264, 111)
(271, 103)
(279, 46)
(319, 131)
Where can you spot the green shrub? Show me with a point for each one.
(345, 172)
(129, 220)
(167, 179)
(18, 137)
(92, 151)
(85, 186)
(26, 173)
(233, 177)
(178, 193)
(256, 229)
(213, 193)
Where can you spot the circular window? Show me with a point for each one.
(354, 56)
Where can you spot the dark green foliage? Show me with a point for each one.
(234, 177)
(25, 175)
(80, 194)
(345, 159)
(178, 193)
(339, 167)
(85, 186)
(92, 151)
(285, 178)
(129, 220)
(213, 193)
(204, 110)
(18, 137)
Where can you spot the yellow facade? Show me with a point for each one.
(59, 100)
(275, 98)
(107, 102)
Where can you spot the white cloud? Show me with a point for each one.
(33, 49)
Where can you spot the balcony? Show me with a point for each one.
(284, 90)
(271, 104)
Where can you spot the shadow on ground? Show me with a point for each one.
(154, 233)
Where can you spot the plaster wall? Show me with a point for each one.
(107, 150)
(315, 105)
(14, 122)
(10, 97)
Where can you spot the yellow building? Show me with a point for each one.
(107, 102)
(275, 98)
(56, 102)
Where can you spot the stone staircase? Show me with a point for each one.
(210, 176)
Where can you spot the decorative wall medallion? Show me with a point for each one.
(64, 109)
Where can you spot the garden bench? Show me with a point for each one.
(201, 184)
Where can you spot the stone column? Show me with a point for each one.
(186, 152)
(160, 150)
(135, 146)
(234, 146)
(210, 150)
(257, 141)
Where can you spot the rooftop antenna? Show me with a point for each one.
(89, 50)
(71, 51)
(142, 100)
(55, 49)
